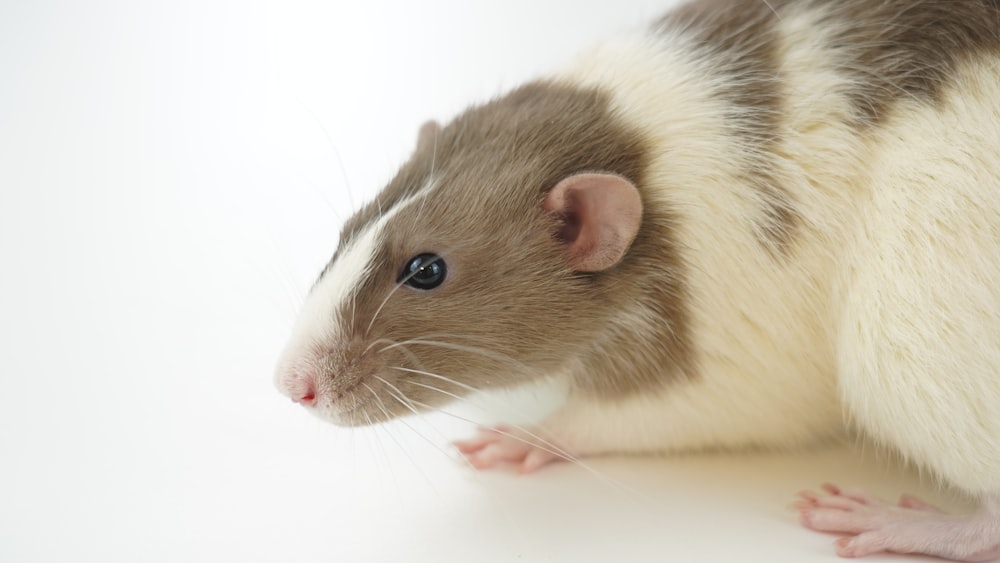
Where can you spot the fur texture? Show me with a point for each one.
(885, 303)
(820, 242)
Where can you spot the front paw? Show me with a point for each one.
(503, 444)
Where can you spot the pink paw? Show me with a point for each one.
(911, 526)
(502, 444)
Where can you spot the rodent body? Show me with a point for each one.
(818, 243)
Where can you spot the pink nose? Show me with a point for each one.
(306, 398)
(299, 385)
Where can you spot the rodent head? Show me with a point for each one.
(487, 261)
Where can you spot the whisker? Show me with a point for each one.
(428, 336)
(436, 446)
(398, 395)
(395, 288)
(428, 186)
(354, 306)
(556, 450)
(469, 388)
(404, 401)
(380, 431)
(434, 151)
(776, 14)
(385, 411)
(549, 446)
(340, 159)
(386, 300)
(409, 355)
(614, 483)
(433, 335)
(378, 444)
(376, 342)
(540, 442)
(465, 386)
(496, 356)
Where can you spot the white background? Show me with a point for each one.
(172, 178)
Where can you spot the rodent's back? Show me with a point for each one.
(770, 130)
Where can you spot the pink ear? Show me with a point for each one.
(601, 214)
(428, 133)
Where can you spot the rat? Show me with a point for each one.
(755, 223)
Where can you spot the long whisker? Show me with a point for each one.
(368, 422)
(429, 336)
(340, 163)
(465, 386)
(385, 411)
(376, 342)
(386, 300)
(395, 288)
(379, 430)
(354, 305)
(614, 483)
(496, 356)
(398, 395)
(776, 14)
(340, 160)
(401, 398)
(539, 441)
(406, 351)
(556, 450)
(548, 445)
(428, 186)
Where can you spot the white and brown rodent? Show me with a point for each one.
(752, 224)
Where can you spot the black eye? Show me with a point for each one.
(424, 271)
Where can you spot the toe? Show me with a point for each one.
(834, 520)
(853, 494)
(483, 458)
(808, 496)
(861, 545)
(535, 459)
(483, 438)
(469, 446)
(830, 488)
(839, 503)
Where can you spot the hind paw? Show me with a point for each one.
(872, 526)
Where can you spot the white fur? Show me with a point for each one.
(920, 343)
(319, 322)
(890, 292)
(764, 355)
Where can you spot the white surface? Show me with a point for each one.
(172, 178)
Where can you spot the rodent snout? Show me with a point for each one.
(329, 379)
(307, 398)
(299, 385)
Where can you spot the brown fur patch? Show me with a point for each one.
(509, 291)
(898, 49)
(739, 39)
(893, 49)
(890, 49)
(511, 310)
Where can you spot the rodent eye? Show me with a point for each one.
(424, 271)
